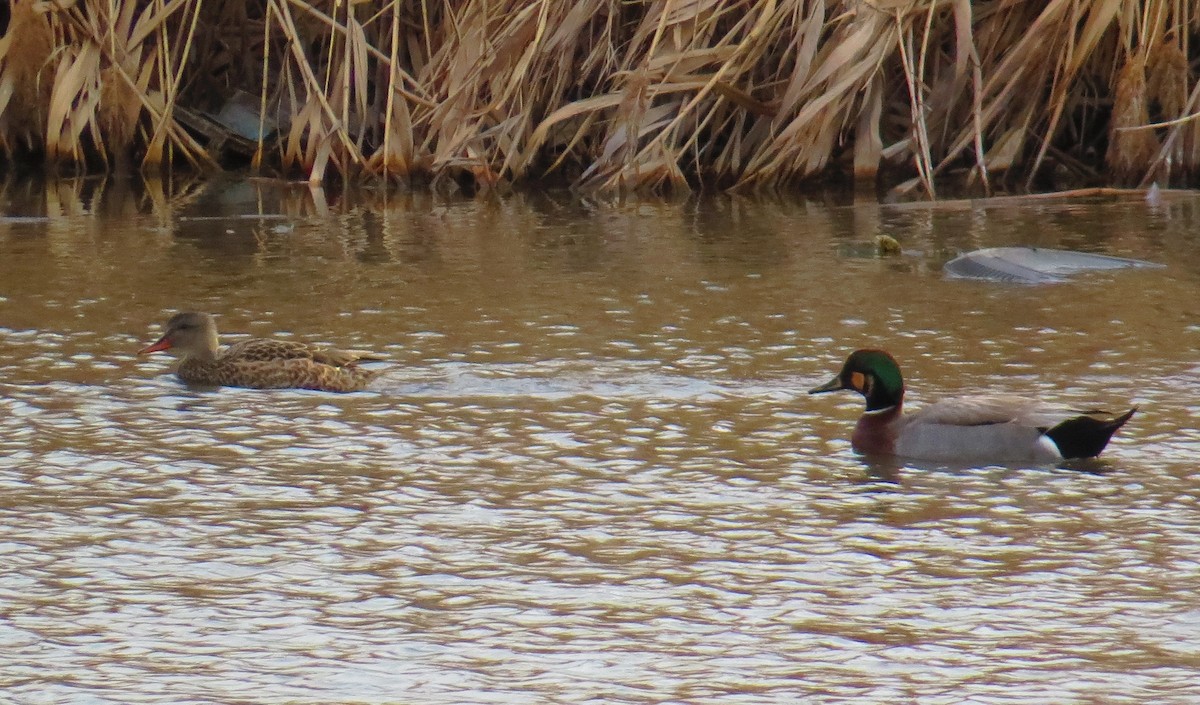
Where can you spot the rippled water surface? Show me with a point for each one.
(592, 473)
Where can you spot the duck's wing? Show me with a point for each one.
(265, 350)
(990, 409)
(344, 358)
(985, 410)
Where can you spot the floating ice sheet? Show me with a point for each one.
(1033, 265)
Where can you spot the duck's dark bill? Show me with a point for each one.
(832, 385)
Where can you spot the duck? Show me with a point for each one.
(983, 428)
(258, 363)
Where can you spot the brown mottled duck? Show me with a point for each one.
(257, 363)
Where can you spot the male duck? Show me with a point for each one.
(257, 363)
(984, 428)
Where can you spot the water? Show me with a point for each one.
(593, 473)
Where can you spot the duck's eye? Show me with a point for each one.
(858, 381)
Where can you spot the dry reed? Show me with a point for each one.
(614, 95)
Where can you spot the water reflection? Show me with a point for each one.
(594, 472)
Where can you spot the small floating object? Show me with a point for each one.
(886, 245)
(883, 246)
(1034, 265)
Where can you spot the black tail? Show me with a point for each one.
(1085, 436)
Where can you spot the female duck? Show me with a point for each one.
(257, 363)
(983, 428)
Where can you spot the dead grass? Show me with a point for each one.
(617, 95)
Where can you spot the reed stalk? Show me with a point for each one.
(616, 95)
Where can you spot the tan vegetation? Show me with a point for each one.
(614, 94)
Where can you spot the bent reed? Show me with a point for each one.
(614, 95)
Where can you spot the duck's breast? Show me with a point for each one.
(876, 431)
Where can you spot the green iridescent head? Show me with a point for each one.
(873, 374)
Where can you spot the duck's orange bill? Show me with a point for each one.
(162, 344)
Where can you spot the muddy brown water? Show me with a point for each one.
(593, 473)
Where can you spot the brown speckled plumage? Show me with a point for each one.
(258, 363)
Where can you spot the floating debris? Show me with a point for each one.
(237, 127)
(1034, 265)
(886, 245)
